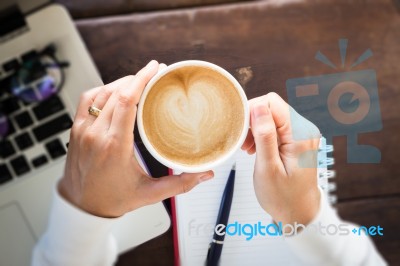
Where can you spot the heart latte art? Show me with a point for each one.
(193, 115)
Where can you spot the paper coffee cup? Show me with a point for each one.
(170, 117)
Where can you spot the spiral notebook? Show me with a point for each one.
(195, 214)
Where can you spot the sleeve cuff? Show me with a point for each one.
(74, 234)
(325, 241)
(309, 240)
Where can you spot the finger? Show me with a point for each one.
(252, 150)
(105, 93)
(162, 66)
(264, 133)
(249, 141)
(100, 97)
(158, 189)
(126, 99)
(101, 100)
(280, 112)
(120, 110)
(85, 101)
(291, 126)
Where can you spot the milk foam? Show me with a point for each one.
(193, 115)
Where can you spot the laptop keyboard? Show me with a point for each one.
(31, 126)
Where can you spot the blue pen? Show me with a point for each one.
(215, 247)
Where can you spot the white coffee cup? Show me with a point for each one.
(209, 165)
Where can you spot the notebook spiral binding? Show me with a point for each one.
(325, 171)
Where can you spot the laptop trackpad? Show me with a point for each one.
(18, 236)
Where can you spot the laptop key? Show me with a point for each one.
(55, 148)
(30, 55)
(9, 105)
(23, 120)
(39, 161)
(20, 165)
(11, 129)
(6, 149)
(5, 174)
(10, 65)
(52, 127)
(23, 141)
(48, 107)
(5, 85)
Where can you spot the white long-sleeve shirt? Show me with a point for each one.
(74, 237)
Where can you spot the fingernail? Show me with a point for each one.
(206, 177)
(152, 62)
(260, 111)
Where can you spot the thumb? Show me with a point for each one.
(264, 133)
(169, 186)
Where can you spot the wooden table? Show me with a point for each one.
(264, 44)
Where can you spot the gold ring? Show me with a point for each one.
(94, 111)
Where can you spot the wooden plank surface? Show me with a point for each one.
(98, 8)
(263, 45)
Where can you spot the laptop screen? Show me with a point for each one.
(25, 6)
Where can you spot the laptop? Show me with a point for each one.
(33, 145)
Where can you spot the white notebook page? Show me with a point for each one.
(197, 212)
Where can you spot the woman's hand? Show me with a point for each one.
(102, 176)
(286, 146)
